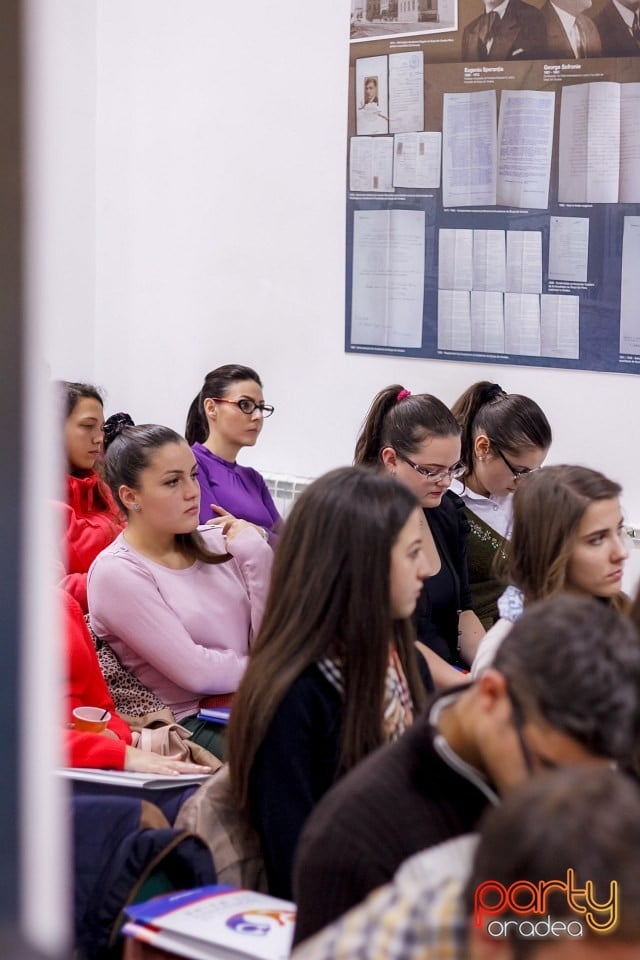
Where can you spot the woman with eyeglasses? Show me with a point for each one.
(416, 439)
(504, 437)
(568, 536)
(224, 417)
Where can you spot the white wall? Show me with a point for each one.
(219, 168)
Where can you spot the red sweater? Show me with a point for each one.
(86, 687)
(91, 522)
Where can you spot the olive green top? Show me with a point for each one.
(483, 543)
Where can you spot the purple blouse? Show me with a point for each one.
(240, 490)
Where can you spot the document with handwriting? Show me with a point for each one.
(388, 277)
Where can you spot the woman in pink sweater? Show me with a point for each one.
(178, 607)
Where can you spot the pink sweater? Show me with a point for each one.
(184, 633)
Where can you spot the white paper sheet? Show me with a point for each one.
(371, 164)
(416, 160)
(569, 248)
(589, 161)
(630, 143)
(469, 149)
(406, 92)
(455, 259)
(388, 278)
(525, 141)
(454, 320)
(560, 326)
(489, 260)
(372, 96)
(522, 324)
(524, 261)
(487, 321)
(630, 288)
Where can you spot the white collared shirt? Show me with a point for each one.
(626, 14)
(568, 22)
(495, 511)
(501, 9)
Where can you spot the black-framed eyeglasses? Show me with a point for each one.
(439, 473)
(516, 474)
(518, 720)
(248, 406)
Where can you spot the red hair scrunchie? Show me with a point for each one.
(402, 395)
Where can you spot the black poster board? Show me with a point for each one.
(442, 268)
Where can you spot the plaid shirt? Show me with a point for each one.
(419, 916)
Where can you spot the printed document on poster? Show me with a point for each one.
(371, 164)
(599, 143)
(524, 261)
(630, 288)
(560, 326)
(568, 248)
(416, 160)
(372, 96)
(525, 142)
(388, 278)
(406, 92)
(469, 149)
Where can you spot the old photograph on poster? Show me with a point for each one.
(382, 19)
(372, 96)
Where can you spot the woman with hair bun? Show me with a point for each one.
(415, 438)
(91, 519)
(226, 415)
(179, 607)
(505, 436)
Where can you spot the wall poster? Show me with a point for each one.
(493, 181)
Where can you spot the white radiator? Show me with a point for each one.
(285, 489)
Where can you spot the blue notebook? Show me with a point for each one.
(215, 714)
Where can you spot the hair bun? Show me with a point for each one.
(492, 392)
(114, 425)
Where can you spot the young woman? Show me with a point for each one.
(334, 672)
(178, 608)
(91, 519)
(416, 439)
(505, 436)
(568, 535)
(224, 417)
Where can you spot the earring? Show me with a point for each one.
(136, 506)
(481, 458)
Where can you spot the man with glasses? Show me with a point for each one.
(563, 691)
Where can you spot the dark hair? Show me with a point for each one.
(509, 420)
(71, 392)
(574, 662)
(216, 384)
(113, 426)
(129, 454)
(402, 420)
(583, 819)
(548, 506)
(329, 596)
